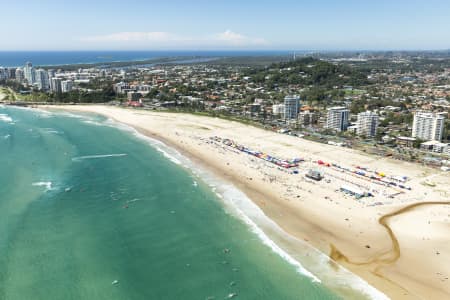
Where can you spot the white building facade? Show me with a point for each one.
(291, 107)
(367, 124)
(56, 85)
(4, 73)
(278, 110)
(41, 79)
(66, 86)
(337, 118)
(20, 77)
(428, 126)
(29, 73)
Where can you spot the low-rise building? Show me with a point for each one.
(133, 96)
(434, 146)
(122, 87)
(278, 110)
(307, 118)
(405, 141)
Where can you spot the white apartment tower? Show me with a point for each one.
(41, 77)
(337, 118)
(20, 77)
(367, 124)
(428, 126)
(29, 73)
(56, 85)
(66, 86)
(4, 73)
(291, 107)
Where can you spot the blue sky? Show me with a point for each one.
(224, 24)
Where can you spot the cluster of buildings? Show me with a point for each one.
(38, 78)
(366, 124)
(231, 90)
(337, 117)
(427, 126)
(292, 111)
(53, 80)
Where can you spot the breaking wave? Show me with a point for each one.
(80, 158)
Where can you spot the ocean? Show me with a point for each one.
(47, 58)
(89, 210)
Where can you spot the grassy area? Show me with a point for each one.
(218, 115)
(354, 92)
(7, 94)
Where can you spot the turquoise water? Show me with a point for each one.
(83, 205)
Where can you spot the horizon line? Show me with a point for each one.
(233, 50)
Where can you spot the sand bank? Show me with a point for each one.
(404, 254)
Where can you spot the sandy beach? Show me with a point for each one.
(397, 239)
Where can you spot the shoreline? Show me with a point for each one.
(260, 224)
(299, 221)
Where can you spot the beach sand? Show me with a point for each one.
(406, 254)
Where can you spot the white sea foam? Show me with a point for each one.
(45, 114)
(6, 118)
(168, 153)
(52, 130)
(71, 115)
(169, 156)
(46, 184)
(80, 158)
(96, 123)
(237, 199)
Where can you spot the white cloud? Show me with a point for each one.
(230, 36)
(130, 37)
(239, 39)
(227, 38)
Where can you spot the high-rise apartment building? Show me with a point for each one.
(337, 118)
(29, 73)
(4, 74)
(367, 124)
(56, 85)
(428, 126)
(41, 79)
(291, 107)
(66, 86)
(20, 76)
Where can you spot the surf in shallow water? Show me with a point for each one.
(122, 211)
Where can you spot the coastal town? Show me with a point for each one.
(398, 108)
(214, 150)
